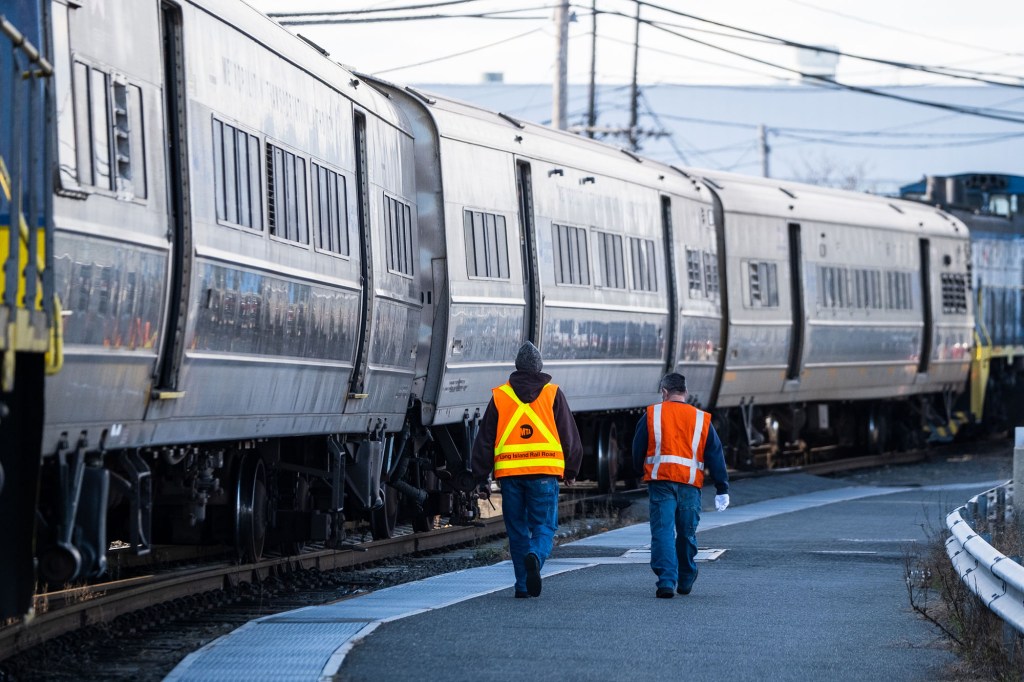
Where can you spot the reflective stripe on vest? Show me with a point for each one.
(527, 434)
(676, 436)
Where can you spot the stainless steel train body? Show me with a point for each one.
(836, 297)
(289, 290)
(234, 248)
(529, 233)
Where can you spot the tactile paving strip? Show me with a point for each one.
(263, 651)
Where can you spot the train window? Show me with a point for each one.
(954, 293)
(572, 259)
(898, 295)
(645, 274)
(694, 273)
(286, 195)
(108, 132)
(236, 165)
(763, 284)
(398, 225)
(611, 267)
(486, 245)
(711, 274)
(330, 210)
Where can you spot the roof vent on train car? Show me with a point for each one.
(420, 95)
(313, 45)
(514, 121)
(588, 180)
(556, 171)
(631, 155)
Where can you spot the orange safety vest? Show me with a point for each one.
(527, 435)
(676, 436)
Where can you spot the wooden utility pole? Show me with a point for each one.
(592, 111)
(558, 101)
(762, 136)
(634, 93)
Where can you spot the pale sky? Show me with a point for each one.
(983, 37)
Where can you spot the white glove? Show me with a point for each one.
(721, 502)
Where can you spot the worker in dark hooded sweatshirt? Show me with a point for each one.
(528, 438)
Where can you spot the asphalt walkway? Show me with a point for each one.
(801, 579)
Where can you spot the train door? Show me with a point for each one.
(796, 342)
(180, 228)
(357, 388)
(528, 243)
(926, 307)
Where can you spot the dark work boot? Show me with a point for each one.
(533, 582)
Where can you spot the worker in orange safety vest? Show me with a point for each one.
(528, 438)
(674, 445)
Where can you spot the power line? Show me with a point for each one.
(939, 71)
(458, 54)
(831, 82)
(373, 10)
(497, 14)
(903, 30)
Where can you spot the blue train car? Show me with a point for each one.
(992, 206)
(27, 311)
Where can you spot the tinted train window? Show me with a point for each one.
(330, 210)
(954, 293)
(236, 167)
(486, 245)
(611, 266)
(694, 273)
(398, 227)
(109, 132)
(645, 275)
(572, 258)
(701, 274)
(286, 195)
(898, 294)
(763, 285)
(711, 274)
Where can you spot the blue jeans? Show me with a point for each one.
(530, 508)
(675, 513)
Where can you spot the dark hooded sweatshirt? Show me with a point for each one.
(527, 386)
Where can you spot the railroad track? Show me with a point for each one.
(64, 611)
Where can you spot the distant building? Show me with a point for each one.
(814, 134)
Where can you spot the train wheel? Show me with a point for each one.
(302, 502)
(607, 457)
(422, 522)
(251, 508)
(382, 519)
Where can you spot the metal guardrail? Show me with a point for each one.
(995, 578)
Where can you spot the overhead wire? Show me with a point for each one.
(831, 82)
(458, 54)
(962, 74)
(332, 18)
(903, 30)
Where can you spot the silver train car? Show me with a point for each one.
(288, 289)
(234, 242)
